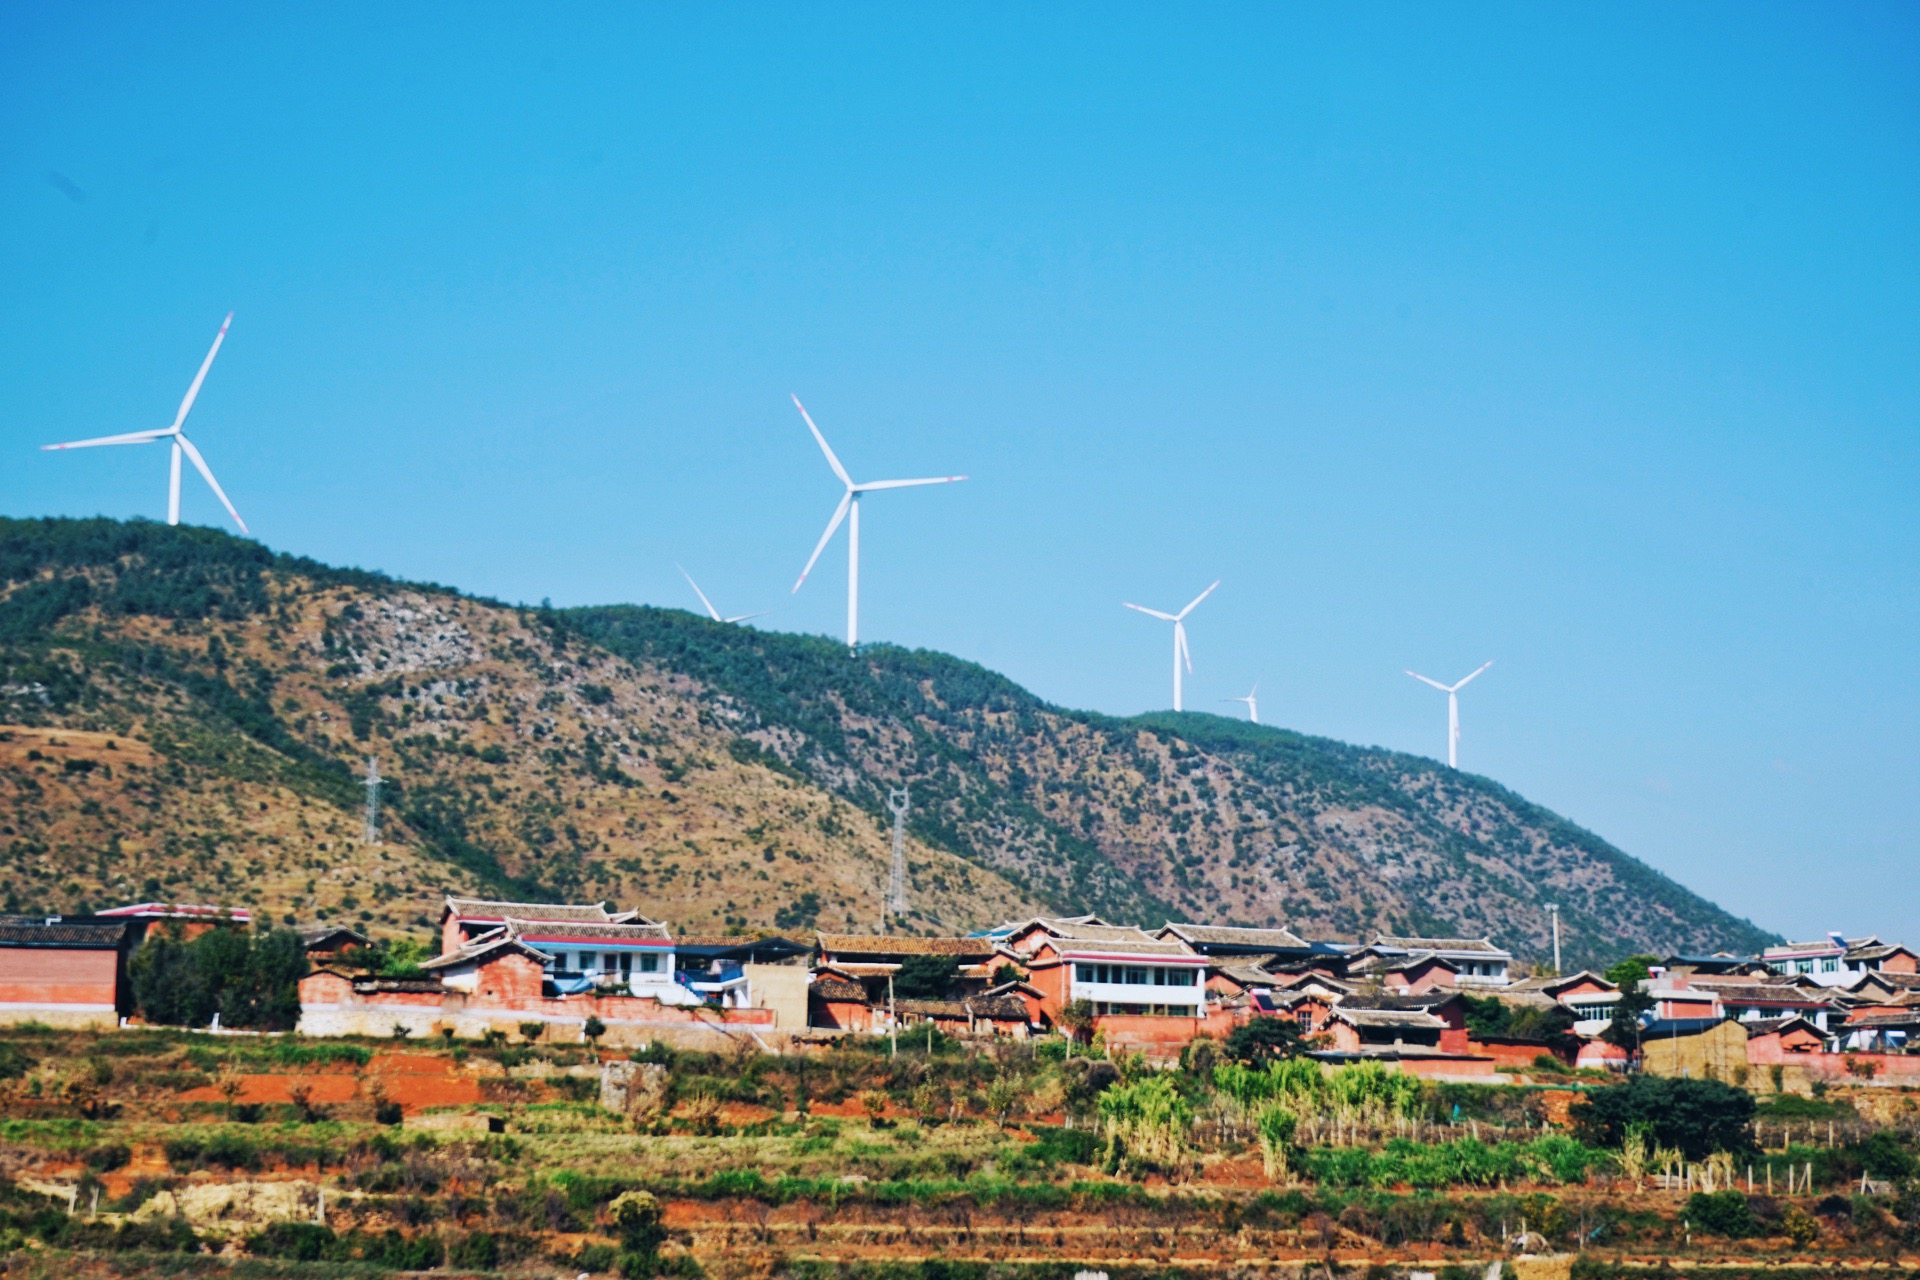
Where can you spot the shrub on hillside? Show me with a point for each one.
(1721, 1213)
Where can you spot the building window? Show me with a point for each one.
(649, 963)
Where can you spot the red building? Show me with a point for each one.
(65, 972)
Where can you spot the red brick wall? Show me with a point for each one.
(38, 975)
(1052, 982)
(509, 976)
(1901, 962)
(1505, 1052)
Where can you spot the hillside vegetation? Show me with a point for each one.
(188, 714)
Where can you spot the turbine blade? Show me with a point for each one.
(903, 484)
(742, 617)
(839, 514)
(1483, 666)
(200, 465)
(1424, 680)
(1151, 613)
(186, 403)
(711, 611)
(1197, 599)
(832, 461)
(131, 437)
(1180, 638)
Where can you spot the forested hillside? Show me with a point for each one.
(188, 713)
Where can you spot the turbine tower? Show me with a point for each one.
(1253, 702)
(371, 835)
(850, 507)
(713, 612)
(1453, 709)
(897, 905)
(1179, 621)
(177, 437)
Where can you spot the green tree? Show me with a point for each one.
(1623, 1030)
(1264, 1040)
(925, 978)
(250, 979)
(1695, 1117)
(1076, 1019)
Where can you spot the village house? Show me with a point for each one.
(1120, 970)
(1758, 999)
(853, 975)
(68, 972)
(1476, 962)
(1837, 960)
(1424, 1035)
(1235, 944)
(1588, 996)
(506, 967)
(1402, 972)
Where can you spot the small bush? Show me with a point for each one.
(1721, 1213)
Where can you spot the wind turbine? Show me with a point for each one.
(1179, 621)
(713, 612)
(850, 506)
(1253, 702)
(1453, 710)
(179, 440)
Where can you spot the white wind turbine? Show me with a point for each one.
(1179, 621)
(850, 506)
(179, 441)
(713, 612)
(1253, 702)
(1453, 709)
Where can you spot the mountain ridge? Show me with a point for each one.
(723, 776)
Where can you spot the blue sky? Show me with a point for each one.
(1578, 338)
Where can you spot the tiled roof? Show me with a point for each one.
(995, 1009)
(1399, 963)
(838, 944)
(1550, 985)
(1884, 1015)
(486, 944)
(1387, 1019)
(1146, 948)
(862, 970)
(1767, 1026)
(1879, 951)
(312, 933)
(1247, 975)
(74, 933)
(364, 985)
(570, 912)
(1482, 945)
(567, 931)
(1233, 936)
(1732, 991)
(844, 992)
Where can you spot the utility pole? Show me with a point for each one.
(897, 905)
(372, 833)
(1553, 909)
(893, 1021)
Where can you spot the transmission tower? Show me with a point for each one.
(372, 833)
(897, 880)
